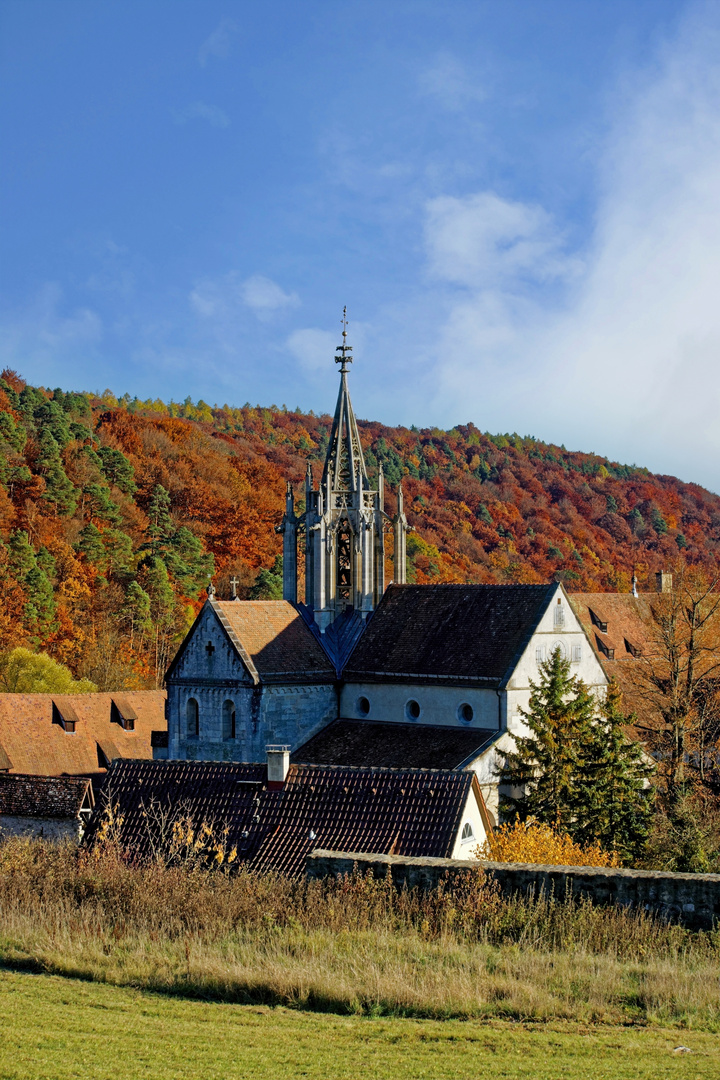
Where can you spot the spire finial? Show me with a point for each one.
(342, 352)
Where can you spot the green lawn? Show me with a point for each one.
(58, 1028)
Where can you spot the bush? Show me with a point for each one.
(532, 842)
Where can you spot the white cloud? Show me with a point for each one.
(218, 43)
(448, 81)
(483, 239)
(225, 297)
(626, 360)
(264, 296)
(314, 349)
(199, 110)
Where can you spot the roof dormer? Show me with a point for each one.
(63, 713)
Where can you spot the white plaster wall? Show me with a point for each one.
(40, 828)
(548, 636)
(471, 814)
(438, 704)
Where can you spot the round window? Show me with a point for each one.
(412, 709)
(363, 706)
(465, 712)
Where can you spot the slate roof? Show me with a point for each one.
(371, 744)
(44, 796)
(35, 742)
(448, 632)
(413, 812)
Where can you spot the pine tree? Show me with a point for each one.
(160, 527)
(92, 547)
(546, 763)
(59, 488)
(613, 803)
(22, 555)
(268, 584)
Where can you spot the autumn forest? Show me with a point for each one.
(115, 513)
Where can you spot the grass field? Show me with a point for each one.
(59, 1029)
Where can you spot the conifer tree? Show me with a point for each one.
(546, 763)
(613, 803)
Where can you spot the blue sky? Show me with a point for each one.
(518, 201)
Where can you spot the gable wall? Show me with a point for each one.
(467, 849)
(438, 704)
(263, 714)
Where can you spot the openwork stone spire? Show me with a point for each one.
(344, 521)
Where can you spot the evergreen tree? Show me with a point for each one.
(186, 561)
(160, 527)
(268, 584)
(118, 469)
(59, 489)
(546, 763)
(92, 547)
(100, 505)
(22, 555)
(613, 804)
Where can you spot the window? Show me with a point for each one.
(412, 709)
(576, 654)
(228, 720)
(465, 712)
(467, 833)
(540, 654)
(363, 706)
(560, 645)
(193, 718)
(559, 615)
(344, 566)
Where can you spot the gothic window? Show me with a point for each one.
(193, 718)
(344, 566)
(467, 833)
(228, 720)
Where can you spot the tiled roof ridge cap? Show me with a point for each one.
(376, 769)
(36, 779)
(470, 585)
(413, 676)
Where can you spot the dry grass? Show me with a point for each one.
(354, 946)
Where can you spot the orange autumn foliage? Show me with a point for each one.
(531, 842)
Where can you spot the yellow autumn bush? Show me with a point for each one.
(532, 842)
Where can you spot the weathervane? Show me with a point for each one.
(343, 358)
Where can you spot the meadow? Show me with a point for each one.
(61, 1029)
(353, 947)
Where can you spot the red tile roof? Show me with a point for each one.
(407, 812)
(36, 745)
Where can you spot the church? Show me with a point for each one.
(362, 674)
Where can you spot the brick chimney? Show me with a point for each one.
(278, 764)
(663, 581)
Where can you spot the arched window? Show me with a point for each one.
(467, 833)
(228, 720)
(344, 565)
(193, 718)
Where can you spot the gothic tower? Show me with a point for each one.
(345, 524)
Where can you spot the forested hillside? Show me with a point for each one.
(113, 514)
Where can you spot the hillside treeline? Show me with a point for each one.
(113, 515)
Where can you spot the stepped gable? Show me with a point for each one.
(406, 811)
(448, 632)
(44, 796)
(368, 744)
(77, 734)
(275, 639)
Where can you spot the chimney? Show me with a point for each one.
(278, 764)
(663, 581)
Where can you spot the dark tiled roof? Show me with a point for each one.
(368, 744)
(406, 812)
(35, 745)
(44, 796)
(448, 632)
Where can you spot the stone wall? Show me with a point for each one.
(692, 899)
(40, 828)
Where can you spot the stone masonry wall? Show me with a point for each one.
(692, 899)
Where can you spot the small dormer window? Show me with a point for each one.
(559, 615)
(64, 714)
(122, 713)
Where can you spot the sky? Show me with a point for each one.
(519, 203)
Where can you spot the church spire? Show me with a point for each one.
(344, 462)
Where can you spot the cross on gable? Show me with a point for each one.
(234, 582)
(209, 648)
